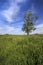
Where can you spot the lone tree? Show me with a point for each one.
(29, 19)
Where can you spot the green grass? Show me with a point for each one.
(21, 50)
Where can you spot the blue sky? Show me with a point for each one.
(11, 15)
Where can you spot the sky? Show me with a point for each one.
(12, 12)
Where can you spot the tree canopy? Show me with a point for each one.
(29, 20)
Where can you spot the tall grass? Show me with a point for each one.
(21, 50)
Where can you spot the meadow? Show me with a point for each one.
(21, 50)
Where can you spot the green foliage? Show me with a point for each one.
(21, 50)
(29, 20)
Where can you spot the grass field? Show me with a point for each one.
(21, 50)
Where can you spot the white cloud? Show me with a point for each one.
(39, 29)
(10, 12)
(10, 30)
(40, 25)
(13, 10)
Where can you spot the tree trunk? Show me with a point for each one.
(27, 33)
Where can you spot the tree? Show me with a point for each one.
(29, 19)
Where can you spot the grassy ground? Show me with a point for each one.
(21, 50)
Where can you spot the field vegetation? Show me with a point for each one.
(21, 49)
